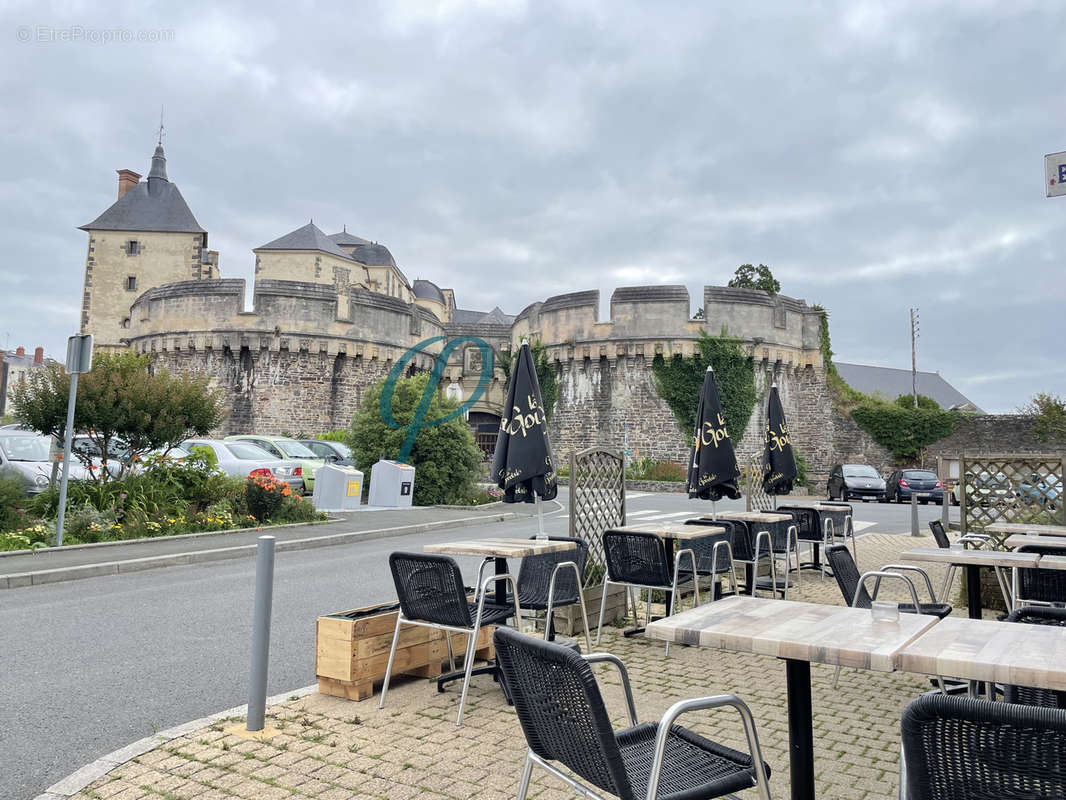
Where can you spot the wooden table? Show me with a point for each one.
(1025, 527)
(986, 650)
(765, 518)
(973, 560)
(801, 634)
(1048, 540)
(500, 550)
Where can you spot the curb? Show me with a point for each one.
(17, 580)
(80, 778)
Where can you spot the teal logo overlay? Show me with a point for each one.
(419, 421)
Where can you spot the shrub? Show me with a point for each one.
(648, 470)
(904, 431)
(86, 524)
(13, 503)
(265, 496)
(907, 401)
(445, 457)
(801, 467)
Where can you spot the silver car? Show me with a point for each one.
(26, 456)
(243, 460)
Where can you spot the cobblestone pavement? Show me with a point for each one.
(334, 749)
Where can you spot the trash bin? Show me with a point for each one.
(391, 484)
(337, 488)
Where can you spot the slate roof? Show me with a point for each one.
(427, 290)
(373, 254)
(309, 237)
(462, 316)
(890, 383)
(347, 238)
(151, 205)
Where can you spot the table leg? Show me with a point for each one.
(800, 729)
(973, 590)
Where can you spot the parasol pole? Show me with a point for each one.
(541, 535)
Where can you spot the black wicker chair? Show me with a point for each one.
(638, 560)
(958, 748)
(1041, 585)
(551, 580)
(749, 549)
(431, 594)
(565, 721)
(1046, 698)
(853, 586)
(942, 541)
(714, 552)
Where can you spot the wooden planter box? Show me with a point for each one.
(352, 651)
(568, 618)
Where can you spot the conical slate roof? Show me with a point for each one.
(373, 255)
(309, 237)
(152, 205)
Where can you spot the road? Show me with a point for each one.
(92, 665)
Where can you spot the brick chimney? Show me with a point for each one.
(20, 351)
(38, 355)
(127, 179)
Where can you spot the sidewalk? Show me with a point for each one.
(333, 749)
(83, 561)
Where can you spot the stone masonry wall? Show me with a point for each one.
(271, 391)
(993, 434)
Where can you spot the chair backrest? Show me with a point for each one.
(634, 557)
(535, 573)
(807, 521)
(430, 588)
(847, 575)
(561, 710)
(941, 536)
(1026, 695)
(703, 548)
(743, 542)
(1042, 585)
(957, 747)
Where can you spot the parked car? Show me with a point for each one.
(243, 460)
(902, 483)
(1042, 490)
(859, 481)
(985, 489)
(288, 450)
(331, 452)
(25, 456)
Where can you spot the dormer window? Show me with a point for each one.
(133, 247)
(131, 283)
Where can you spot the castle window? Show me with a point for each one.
(133, 247)
(780, 317)
(126, 322)
(131, 283)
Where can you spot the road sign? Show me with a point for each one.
(79, 354)
(1055, 174)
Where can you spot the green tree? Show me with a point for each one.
(679, 380)
(125, 410)
(1049, 416)
(760, 277)
(907, 401)
(549, 388)
(445, 457)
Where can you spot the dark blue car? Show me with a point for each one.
(902, 483)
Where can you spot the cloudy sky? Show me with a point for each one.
(876, 155)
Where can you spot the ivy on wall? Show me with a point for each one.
(549, 387)
(678, 381)
(902, 430)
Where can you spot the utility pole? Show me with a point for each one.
(914, 355)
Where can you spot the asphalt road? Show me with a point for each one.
(91, 665)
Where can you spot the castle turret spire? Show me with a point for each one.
(159, 168)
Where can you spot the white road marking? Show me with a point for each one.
(861, 526)
(635, 495)
(643, 513)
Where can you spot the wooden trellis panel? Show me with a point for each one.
(758, 500)
(1010, 488)
(597, 501)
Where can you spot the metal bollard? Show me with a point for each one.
(914, 515)
(264, 592)
(945, 511)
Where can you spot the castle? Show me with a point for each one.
(331, 314)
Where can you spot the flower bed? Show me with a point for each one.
(166, 500)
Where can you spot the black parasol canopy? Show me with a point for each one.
(523, 465)
(778, 460)
(712, 471)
